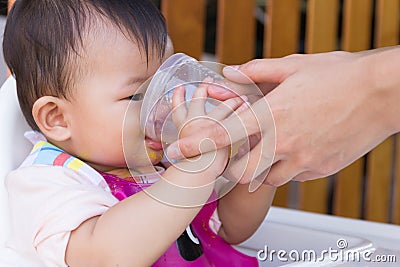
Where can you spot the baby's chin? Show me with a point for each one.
(155, 156)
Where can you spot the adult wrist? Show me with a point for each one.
(382, 72)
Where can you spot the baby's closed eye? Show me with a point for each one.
(136, 97)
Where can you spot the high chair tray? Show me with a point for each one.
(297, 238)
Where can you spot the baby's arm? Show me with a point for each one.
(137, 231)
(242, 212)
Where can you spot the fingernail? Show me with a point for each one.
(208, 80)
(243, 107)
(221, 91)
(244, 98)
(231, 69)
(218, 88)
(173, 152)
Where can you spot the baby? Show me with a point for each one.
(78, 64)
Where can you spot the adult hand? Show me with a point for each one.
(329, 109)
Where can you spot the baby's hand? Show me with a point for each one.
(192, 119)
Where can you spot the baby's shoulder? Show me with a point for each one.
(47, 163)
(35, 175)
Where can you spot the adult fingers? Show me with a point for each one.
(273, 70)
(234, 128)
(281, 173)
(245, 148)
(223, 93)
(307, 175)
(226, 89)
(222, 134)
(266, 73)
(226, 108)
(250, 167)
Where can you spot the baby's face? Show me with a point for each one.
(116, 68)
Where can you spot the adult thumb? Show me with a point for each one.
(273, 70)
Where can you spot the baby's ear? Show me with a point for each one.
(49, 113)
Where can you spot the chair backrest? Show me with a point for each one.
(13, 146)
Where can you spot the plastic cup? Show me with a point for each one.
(179, 70)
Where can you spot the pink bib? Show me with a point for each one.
(198, 246)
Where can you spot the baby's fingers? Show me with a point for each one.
(226, 108)
(179, 112)
(198, 102)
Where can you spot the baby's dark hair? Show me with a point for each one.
(43, 40)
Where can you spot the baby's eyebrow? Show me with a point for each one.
(133, 81)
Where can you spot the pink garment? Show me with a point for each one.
(199, 245)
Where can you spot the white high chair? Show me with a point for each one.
(13, 149)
